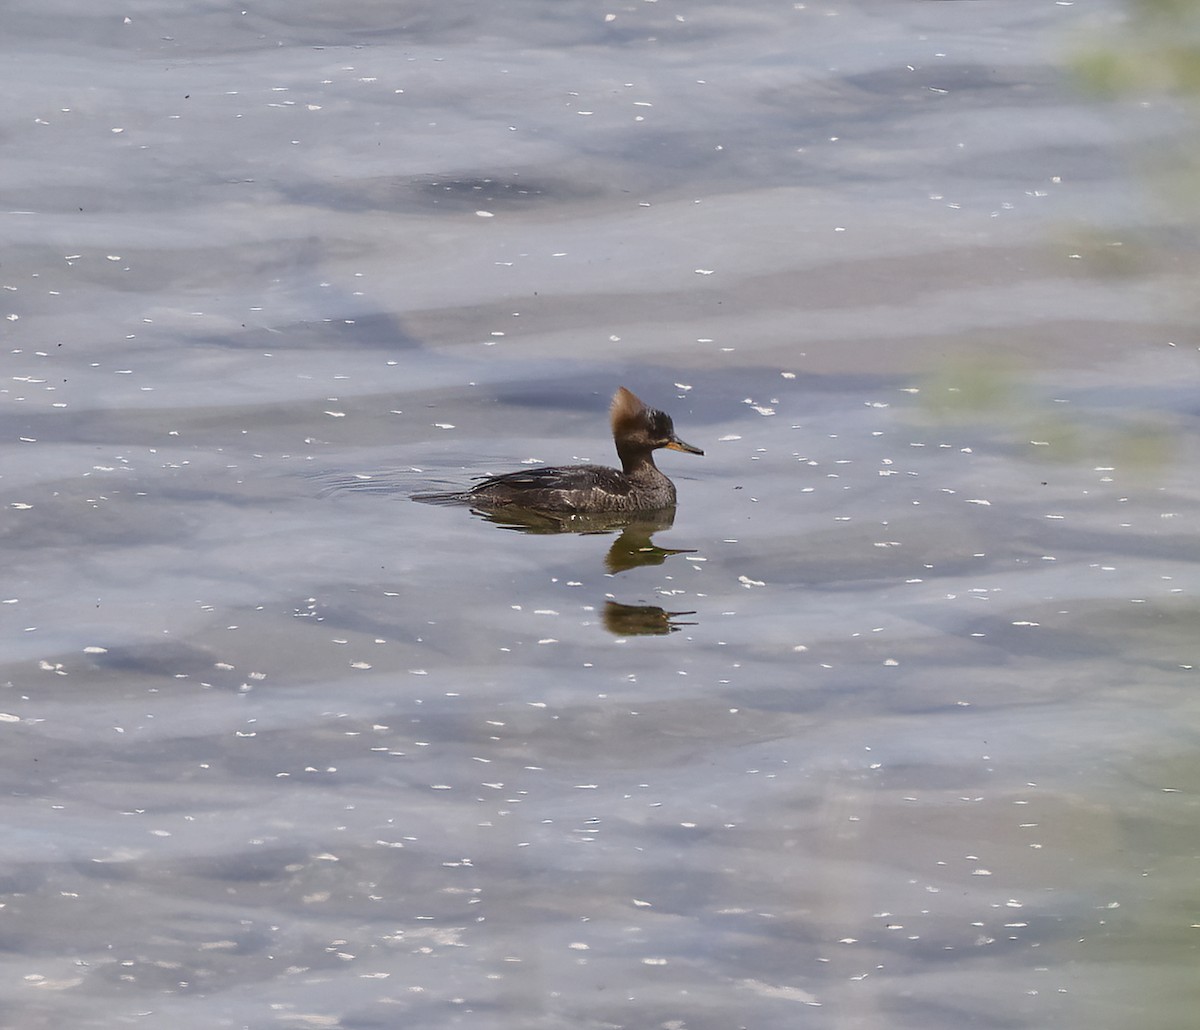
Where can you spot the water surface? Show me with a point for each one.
(284, 748)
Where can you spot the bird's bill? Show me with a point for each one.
(678, 445)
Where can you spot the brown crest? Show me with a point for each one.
(626, 408)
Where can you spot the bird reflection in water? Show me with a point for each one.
(632, 548)
(641, 620)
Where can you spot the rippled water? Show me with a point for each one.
(893, 725)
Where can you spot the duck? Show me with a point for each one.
(637, 486)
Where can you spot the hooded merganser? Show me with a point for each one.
(638, 432)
